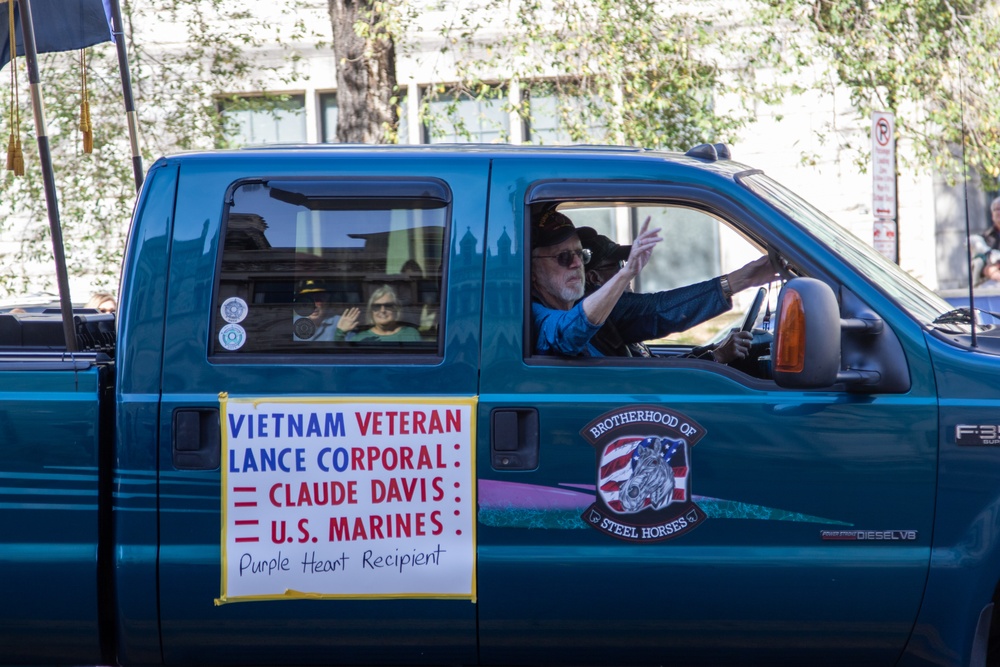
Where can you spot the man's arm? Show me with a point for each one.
(599, 305)
(644, 316)
(641, 317)
(757, 272)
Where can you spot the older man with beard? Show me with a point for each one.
(566, 321)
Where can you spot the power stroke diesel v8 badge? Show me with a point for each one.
(643, 473)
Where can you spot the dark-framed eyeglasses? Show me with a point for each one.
(383, 306)
(566, 257)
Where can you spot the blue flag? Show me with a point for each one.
(60, 25)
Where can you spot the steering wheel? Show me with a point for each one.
(751, 317)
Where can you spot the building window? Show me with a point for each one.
(264, 119)
(456, 117)
(328, 113)
(547, 125)
(332, 267)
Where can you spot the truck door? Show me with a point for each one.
(52, 463)
(789, 523)
(328, 308)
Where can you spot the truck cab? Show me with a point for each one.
(828, 499)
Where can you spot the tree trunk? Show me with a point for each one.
(366, 72)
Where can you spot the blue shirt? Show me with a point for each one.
(565, 332)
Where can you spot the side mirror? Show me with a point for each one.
(806, 353)
(815, 348)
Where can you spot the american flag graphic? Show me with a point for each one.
(616, 468)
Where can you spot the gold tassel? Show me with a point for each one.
(88, 132)
(18, 158)
(85, 126)
(15, 158)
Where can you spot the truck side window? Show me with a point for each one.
(678, 308)
(332, 266)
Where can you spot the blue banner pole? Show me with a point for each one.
(118, 31)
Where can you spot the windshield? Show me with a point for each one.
(922, 303)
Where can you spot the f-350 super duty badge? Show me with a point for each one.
(643, 473)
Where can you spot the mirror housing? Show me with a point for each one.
(817, 347)
(806, 352)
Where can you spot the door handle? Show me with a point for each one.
(514, 438)
(197, 439)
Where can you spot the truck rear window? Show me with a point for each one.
(332, 266)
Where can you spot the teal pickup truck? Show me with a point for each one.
(243, 470)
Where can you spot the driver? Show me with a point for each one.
(567, 316)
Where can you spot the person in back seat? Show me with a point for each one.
(383, 313)
(315, 319)
(102, 302)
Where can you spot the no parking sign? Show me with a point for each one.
(884, 183)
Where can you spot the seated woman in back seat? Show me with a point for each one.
(383, 313)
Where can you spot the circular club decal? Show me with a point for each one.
(234, 310)
(232, 336)
(304, 328)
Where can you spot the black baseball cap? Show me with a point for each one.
(602, 249)
(551, 229)
(311, 287)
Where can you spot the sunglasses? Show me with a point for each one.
(383, 306)
(566, 257)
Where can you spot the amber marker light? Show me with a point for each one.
(791, 343)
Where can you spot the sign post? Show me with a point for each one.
(884, 231)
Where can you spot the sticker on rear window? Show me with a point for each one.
(234, 310)
(232, 337)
